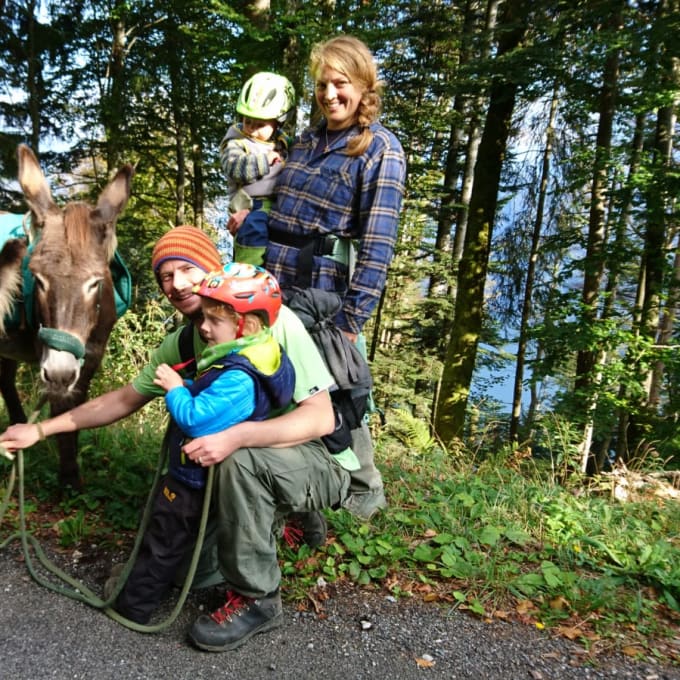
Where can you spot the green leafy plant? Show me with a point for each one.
(73, 529)
(498, 538)
(413, 432)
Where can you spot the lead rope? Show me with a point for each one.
(78, 590)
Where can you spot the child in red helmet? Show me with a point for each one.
(242, 374)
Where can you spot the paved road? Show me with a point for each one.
(358, 635)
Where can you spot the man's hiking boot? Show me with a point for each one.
(305, 527)
(236, 621)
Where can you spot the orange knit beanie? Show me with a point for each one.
(186, 243)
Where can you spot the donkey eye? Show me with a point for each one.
(93, 286)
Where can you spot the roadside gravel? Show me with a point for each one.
(355, 635)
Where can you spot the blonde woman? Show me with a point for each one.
(343, 182)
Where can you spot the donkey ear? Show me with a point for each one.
(115, 195)
(111, 202)
(33, 183)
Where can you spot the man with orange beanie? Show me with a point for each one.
(268, 468)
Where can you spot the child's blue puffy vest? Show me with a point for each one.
(272, 392)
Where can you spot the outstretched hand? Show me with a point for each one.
(19, 436)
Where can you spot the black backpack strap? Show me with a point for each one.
(309, 246)
(185, 345)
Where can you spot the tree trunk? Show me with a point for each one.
(531, 270)
(595, 257)
(113, 103)
(467, 112)
(588, 359)
(462, 349)
(452, 169)
(175, 51)
(659, 202)
(617, 263)
(548, 307)
(196, 144)
(665, 333)
(34, 80)
(657, 237)
(471, 152)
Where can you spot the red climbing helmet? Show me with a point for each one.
(246, 287)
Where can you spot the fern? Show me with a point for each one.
(413, 432)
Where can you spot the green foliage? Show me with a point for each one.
(73, 529)
(557, 440)
(135, 335)
(500, 537)
(162, 96)
(117, 465)
(413, 432)
(163, 102)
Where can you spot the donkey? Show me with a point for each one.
(65, 323)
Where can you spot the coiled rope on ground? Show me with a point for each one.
(78, 590)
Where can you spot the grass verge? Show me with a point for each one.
(497, 538)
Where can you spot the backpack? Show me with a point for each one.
(316, 309)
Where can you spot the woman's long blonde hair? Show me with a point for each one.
(352, 58)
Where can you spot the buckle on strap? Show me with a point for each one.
(321, 244)
(324, 244)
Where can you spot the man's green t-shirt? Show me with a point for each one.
(311, 374)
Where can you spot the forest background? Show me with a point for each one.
(538, 239)
(540, 210)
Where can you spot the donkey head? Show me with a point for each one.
(74, 299)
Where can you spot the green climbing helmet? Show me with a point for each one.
(267, 96)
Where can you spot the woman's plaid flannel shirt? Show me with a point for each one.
(351, 197)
